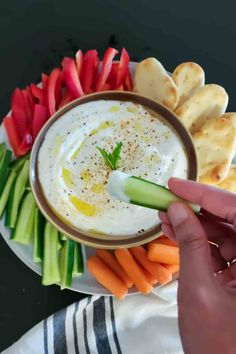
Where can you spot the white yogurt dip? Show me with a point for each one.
(73, 174)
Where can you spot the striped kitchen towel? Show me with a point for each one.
(104, 325)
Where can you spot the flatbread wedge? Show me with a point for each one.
(215, 143)
(209, 102)
(231, 116)
(189, 78)
(229, 183)
(152, 80)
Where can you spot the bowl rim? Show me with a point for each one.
(105, 241)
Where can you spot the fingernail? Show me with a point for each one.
(177, 213)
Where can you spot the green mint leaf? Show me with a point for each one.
(111, 159)
(116, 155)
(106, 157)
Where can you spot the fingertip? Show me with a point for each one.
(161, 214)
(173, 180)
(168, 231)
(181, 186)
(164, 217)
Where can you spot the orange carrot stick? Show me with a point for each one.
(163, 240)
(157, 270)
(106, 277)
(133, 270)
(110, 260)
(163, 254)
(173, 268)
(150, 278)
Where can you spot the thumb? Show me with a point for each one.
(195, 256)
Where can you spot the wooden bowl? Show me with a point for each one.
(106, 241)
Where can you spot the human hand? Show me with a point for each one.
(206, 297)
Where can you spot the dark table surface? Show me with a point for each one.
(35, 34)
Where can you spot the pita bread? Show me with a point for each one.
(152, 80)
(229, 183)
(189, 78)
(215, 143)
(231, 116)
(209, 102)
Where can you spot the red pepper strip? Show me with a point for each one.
(58, 90)
(106, 68)
(20, 120)
(18, 112)
(12, 133)
(67, 97)
(106, 87)
(79, 61)
(45, 79)
(30, 96)
(120, 88)
(123, 67)
(18, 98)
(113, 75)
(25, 145)
(90, 65)
(40, 118)
(38, 93)
(51, 91)
(28, 107)
(128, 82)
(71, 78)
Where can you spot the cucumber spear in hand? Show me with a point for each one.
(207, 279)
(206, 297)
(135, 190)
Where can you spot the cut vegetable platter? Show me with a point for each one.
(85, 283)
(61, 260)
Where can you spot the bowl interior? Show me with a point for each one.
(101, 240)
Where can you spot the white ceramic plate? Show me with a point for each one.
(83, 284)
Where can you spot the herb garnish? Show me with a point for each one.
(113, 158)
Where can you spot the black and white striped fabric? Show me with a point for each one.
(104, 325)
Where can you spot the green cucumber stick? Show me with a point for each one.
(135, 190)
